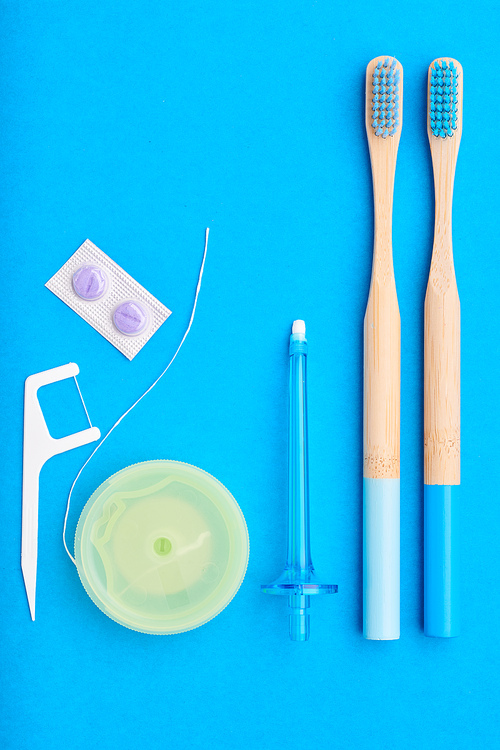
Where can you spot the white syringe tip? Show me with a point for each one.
(299, 327)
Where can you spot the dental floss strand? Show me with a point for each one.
(198, 287)
(81, 399)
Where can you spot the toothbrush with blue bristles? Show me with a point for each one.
(442, 363)
(381, 409)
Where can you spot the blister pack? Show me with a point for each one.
(108, 298)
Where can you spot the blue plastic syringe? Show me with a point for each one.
(299, 580)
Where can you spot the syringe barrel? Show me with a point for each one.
(298, 557)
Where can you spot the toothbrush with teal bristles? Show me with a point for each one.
(381, 410)
(442, 363)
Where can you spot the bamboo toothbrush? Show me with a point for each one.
(442, 363)
(384, 95)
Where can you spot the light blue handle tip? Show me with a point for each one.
(381, 559)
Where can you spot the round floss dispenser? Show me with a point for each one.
(161, 547)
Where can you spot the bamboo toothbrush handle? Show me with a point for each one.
(442, 324)
(382, 347)
(442, 381)
(382, 326)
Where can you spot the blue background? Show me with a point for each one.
(138, 124)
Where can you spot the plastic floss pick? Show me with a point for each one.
(299, 581)
(108, 298)
(38, 447)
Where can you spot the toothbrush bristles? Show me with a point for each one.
(443, 99)
(385, 97)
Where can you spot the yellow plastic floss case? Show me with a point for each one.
(161, 547)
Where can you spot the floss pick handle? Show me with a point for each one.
(38, 447)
